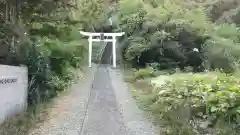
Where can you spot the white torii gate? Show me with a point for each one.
(90, 40)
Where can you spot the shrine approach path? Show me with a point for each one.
(101, 104)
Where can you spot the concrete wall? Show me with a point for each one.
(13, 91)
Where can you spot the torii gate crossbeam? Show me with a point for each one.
(90, 40)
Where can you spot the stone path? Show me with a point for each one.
(100, 105)
(103, 116)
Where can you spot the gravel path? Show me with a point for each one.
(135, 120)
(103, 116)
(100, 105)
(67, 116)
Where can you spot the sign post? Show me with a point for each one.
(101, 35)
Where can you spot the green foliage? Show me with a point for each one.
(138, 45)
(220, 7)
(222, 53)
(129, 7)
(166, 32)
(39, 73)
(93, 14)
(50, 66)
(44, 37)
(202, 101)
(144, 73)
(228, 31)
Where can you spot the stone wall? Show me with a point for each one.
(13, 91)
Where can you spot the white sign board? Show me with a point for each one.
(13, 90)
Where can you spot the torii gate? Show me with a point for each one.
(101, 35)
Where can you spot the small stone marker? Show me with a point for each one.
(13, 90)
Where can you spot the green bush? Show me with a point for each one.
(144, 73)
(219, 7)
(50, 65)
(222, 53)
(203, 100)
(166, 32)
(44, 36)
(228, 31)
(93, 15)
(46, 40)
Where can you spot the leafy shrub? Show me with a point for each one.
(218, 8)
(48, 63)
(63, 55)
(161, 34)
(166, 32)
(43, 35)
(203, 100)
(228, 31)
(222, 53)
(231, 16)
(93, 15)
(155, 66)
(46, 40)
(49, 69)
(39, 73)
(144, 73)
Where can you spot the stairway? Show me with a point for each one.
(107, 54)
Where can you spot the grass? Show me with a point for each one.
(143, 94)
(20, 124)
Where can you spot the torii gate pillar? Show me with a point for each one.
(90, 40)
